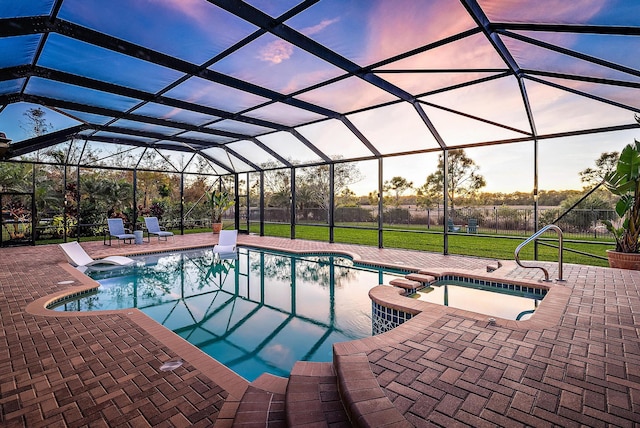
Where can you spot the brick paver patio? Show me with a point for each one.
(576, 364)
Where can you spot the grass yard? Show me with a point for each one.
(420, 239)
(459, 243)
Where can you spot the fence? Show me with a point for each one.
(502, 220)
(499, 220)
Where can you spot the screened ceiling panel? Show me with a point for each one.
(473, 52)
(422, 83)
(363, 95)
(290, 148)
(174, 114)
(284, 114)
(549, 103)
(85, 117)
(11, 86)
(314, 80)
(10, 9)
(614, 48)
(392, 129)
(56, 120)
(257, 154)
(24, 46)
(190, 30)
(226, 160)
(116, 136)
(80, 58)
(477, 101)
(239, 127)
(629, 97)
(594, 12)
(276, 64)
(335, 139)
(368, 32)
(207, 138)
(274, 8)
(457, 130)
(78, 94)
(537, 58)
(204, 92)
(140, 126)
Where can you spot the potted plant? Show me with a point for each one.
(220, 202)
(624, 182)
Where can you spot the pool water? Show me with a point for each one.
(259, 313)
(503, 303)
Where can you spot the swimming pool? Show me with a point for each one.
(259, 313)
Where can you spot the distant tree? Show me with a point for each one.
(372, 197)
(396, 187)
(604, 165)
(35, 122)
(277, 186)
(423, 198)
(347, 198)
(317, 178)
(15, 177)
(463, 177)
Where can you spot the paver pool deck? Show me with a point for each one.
(576, 362)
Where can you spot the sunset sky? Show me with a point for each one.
(449, 58)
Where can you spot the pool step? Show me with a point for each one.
(413, 282)
(363, 397)
(407, 284)
(424, 278)
(262, 403)
(312, 397)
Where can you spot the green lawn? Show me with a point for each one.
(459, 243)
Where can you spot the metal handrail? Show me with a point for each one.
(533, 238)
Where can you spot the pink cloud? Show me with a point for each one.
(319, 27)
(276, 52)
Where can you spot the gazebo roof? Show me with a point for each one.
(288, 82)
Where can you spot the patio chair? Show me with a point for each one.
(153, 228)
(226, 247)
(472, 225)
(78, 257)
(452, 227)
(117, 230)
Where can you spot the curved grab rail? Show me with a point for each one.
(524, 313)
(533, 238)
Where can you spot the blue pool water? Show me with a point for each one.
(259, 313)
(489, 298)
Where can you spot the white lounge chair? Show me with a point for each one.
(117, 230)
(78, 257)
(153, 228)
(226, 247)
